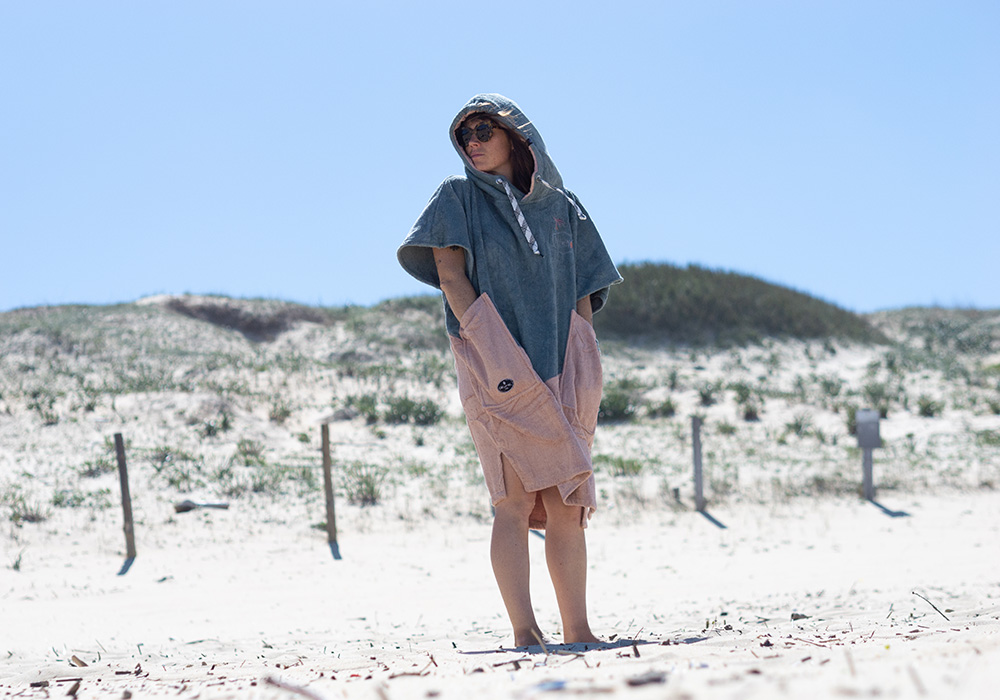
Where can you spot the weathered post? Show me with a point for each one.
(126, 503)
(868, 439)
(699, 488)
(331, 515)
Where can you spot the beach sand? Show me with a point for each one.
(817, 598)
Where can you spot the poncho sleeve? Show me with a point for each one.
(442, 224)
(595, 271)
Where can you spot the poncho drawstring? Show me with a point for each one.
(525, 229)
(579, 211)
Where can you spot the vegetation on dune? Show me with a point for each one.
(234, 388)
(257, 321)
(701, 306)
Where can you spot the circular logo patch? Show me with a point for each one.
(505, 385)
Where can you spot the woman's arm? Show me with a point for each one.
(455, 284)
(585, 309)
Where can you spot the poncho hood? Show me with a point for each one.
(506, 112)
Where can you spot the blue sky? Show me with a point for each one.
(848, 149)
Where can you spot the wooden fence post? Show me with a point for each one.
(331, 514)
(126, 504)
(699, 488)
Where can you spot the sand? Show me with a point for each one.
(818, 598)
(789, 586)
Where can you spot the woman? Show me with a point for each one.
(522, 269)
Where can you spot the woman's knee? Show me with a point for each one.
(557, 511)
(518, 502)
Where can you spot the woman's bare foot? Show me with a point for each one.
(530, 638)
(586, 638)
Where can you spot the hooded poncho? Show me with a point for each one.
(527, 363)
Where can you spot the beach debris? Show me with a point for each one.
(541, 642)
(77, 661)
(73, 689)
(799, 616)
(188, 505)
(647, 678)
(548, 686)
(291, 688)
(932, 605)
(39, 684)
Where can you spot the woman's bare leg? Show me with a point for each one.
(566, 556)
(509, 554)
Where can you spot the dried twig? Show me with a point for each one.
(297, 689)
(540, 641)
(932, 605)
(808, 642)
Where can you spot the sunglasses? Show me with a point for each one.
(482, 133)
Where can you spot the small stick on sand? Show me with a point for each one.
(297, 689)
(931, 604)
(539, 638)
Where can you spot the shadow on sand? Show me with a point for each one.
(126, 566)
(633, 644)
(890, 513)
(705, 514)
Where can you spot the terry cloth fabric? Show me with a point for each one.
(532, 293)
(528, 365)
(544, 429)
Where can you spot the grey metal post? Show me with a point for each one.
(867, 482)
(699, 488)
(868, 439)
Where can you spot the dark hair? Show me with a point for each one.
(521, 158)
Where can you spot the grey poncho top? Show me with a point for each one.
(534, 273)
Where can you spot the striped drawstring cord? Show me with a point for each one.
(579, 211)
(528, 236)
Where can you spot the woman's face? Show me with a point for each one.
(492, 156)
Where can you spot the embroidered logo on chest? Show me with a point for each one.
(505, 385)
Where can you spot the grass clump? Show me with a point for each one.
(665, 409)
(96, 467)
(217, 425)
(96, 500)
(403, 409)
(707, 393)
(928, 407)
(619, 466)
(988, 438)
(365, 404)
(250, 453)
(619, 401)
(20, 509)
(726, 428)
(279, 411)
(800, 424)
(363, 483)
